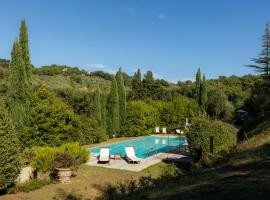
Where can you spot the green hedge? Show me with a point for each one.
(44, 156)
(224, 136)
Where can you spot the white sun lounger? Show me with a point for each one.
(130, 155)
(164, 130)
(157, 130)
(104, 155)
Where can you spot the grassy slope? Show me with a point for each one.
(245, 174)
(88, 83)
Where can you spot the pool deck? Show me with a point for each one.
(146, 162)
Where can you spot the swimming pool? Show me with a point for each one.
(145, 146)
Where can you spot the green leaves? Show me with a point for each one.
(9, 151)
(199, 137)
(51, 121)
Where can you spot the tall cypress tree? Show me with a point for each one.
(204, 96)
(97, 108)
(25, 51)
(122, 97)
(104, 111)
(113, 109)
(198, 86)
(17, 91)
(9, 151)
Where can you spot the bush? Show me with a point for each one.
(78, 153)
(30, 185)
(27, 156)
(141, 118)
(201, 130)
(45, 156)
(63, 160)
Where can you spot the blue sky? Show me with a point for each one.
(170, 37)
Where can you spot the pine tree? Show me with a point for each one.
(113, 109)
(262, 63)
(198, 86)
(122, 97)
(17, 92)
(9, 151)
(204, 96)
(97, 107)
(25, 52)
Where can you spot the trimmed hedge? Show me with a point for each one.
(224, 136)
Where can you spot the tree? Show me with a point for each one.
(137, 86)
(204, 97)
(51, 121)
(97, 107)
(9, 151)
(262, 63)
(113, 108)
(104, 111)
(17, 91)
(141, 118)
(122, 97)
(198, 86)
(25, 52)
(218, 105)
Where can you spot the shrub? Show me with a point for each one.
(45, 156)
(43, 159)
(63, 160)
(78, 153)
(27, 156)
(224, 136)
(30, 185)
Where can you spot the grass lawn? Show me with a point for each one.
(87, 183)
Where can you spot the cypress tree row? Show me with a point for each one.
(122, 97)
(17, 92)
(113, 109)
(9, 151)
(97, 108)
(25, 52)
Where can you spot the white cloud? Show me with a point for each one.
(95, 66)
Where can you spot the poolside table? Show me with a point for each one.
(117, 156)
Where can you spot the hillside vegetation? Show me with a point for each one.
(242, 174)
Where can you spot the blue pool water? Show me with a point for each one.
(145, 146)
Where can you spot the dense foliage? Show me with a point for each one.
(141, 118)
(224, 137)
(51, 121)
(45, 156)
(9, 151)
